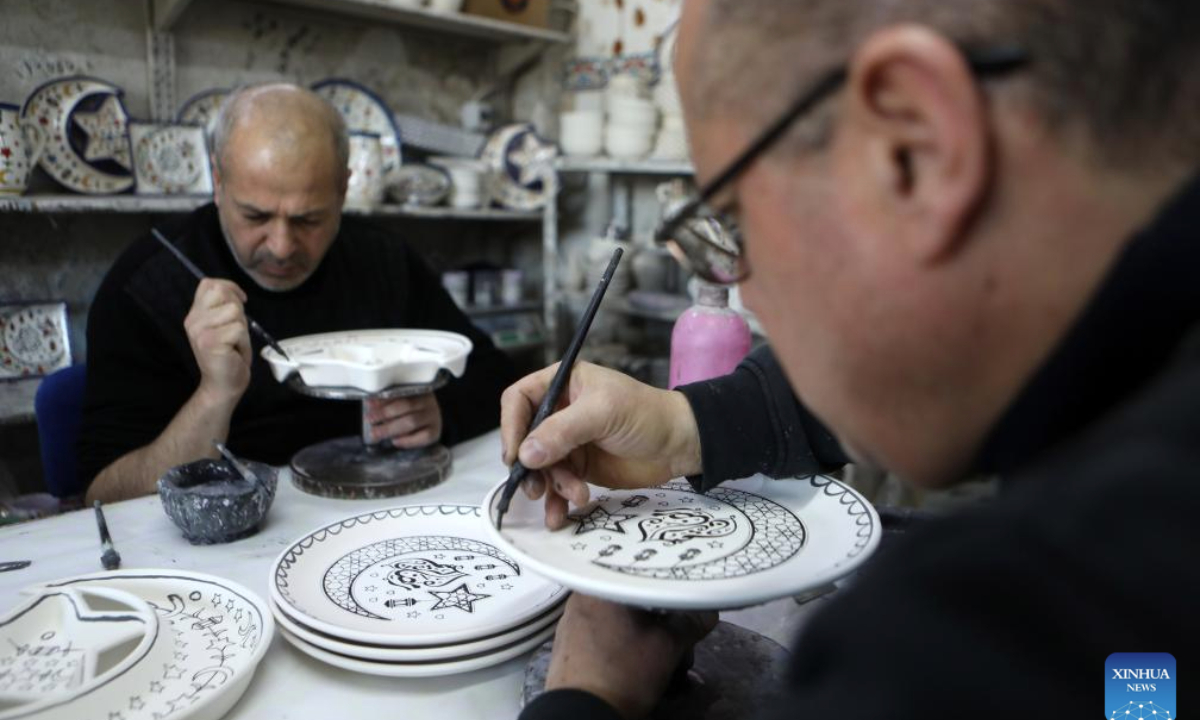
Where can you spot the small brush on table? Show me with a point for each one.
(111, 559)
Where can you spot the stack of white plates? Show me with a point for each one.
(412, 591)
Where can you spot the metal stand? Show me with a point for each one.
(354, 468)
(735, 674)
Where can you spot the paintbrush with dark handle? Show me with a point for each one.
(254, 326)
(111, 559)
(518, 472)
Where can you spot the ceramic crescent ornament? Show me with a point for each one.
(519, 158)
(743, 543)
(78, 128)
(202, 108)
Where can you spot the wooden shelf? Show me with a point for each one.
(135, 204)
(455, 23)
(622, 167)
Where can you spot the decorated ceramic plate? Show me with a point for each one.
(423, 669)
(33, 340)
(419, 184)
(365, 111)
(77, 126)
(64, 643)
(416, 575)
(743, 543)
(370, 360)
(517, 157)
(215, 633)
(202, 108)
(170, 159)
(433, 653)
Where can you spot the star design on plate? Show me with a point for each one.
(716, 544)
(105, 130)
(156, 686)
(135, 703)
(601, 519)
(579, 546)
(460, 597)
(533, 158)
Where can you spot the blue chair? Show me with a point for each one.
(59, 409)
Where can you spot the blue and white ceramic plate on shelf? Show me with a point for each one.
(743, 543)
(519, 160)
(78, 129)
(364, 111)
(170, 159)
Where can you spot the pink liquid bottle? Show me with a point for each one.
(709, 339)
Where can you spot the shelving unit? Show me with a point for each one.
(167, 12)
(612, 166)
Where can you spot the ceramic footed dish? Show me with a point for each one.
(370, 360)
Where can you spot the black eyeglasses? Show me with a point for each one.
(709, 243)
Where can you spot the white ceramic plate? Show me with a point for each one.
(63, 643)
(746, 542)
(370, 360)
(416, 575)
(219, 631)
(77, 126)
(427, 669)
(382, 653)
(170, 159)
(365, 111)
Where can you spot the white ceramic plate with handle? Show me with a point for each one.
(743, 543)
(370, 360)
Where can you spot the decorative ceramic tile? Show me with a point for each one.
(364, 111)
(33, 340)
(643, 65)
(78, 129)
(16, 152)
(588, 73)
(170, 159)
(202, 108)
(518, 157)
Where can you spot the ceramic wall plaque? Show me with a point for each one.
(170, 159)
(365, 111)
(34, 340)
(78, 127)
(743, 543)
(16, 152)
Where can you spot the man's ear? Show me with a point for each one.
(918, 140)
(216, 178)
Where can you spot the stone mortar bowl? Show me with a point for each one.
(211, 503)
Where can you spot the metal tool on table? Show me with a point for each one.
(111, 559)
(519, 472)
(254, 326)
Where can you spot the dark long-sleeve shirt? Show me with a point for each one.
(141, 369)
(1011, 609)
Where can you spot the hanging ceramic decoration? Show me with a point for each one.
(364, 111)
(170, 159)
(743, 543)
(519, 160)
(16, 152)
(63, 644)
(420, 185)
(370, 360)
(78, 129)
(33, 340)
(416, 575)
(212, 635)
(202, 108)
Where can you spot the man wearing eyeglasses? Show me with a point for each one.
(970, 230)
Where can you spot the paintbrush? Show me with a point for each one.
(518, 472)
(111, 559)
(254, 326)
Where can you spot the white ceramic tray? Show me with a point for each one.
(63, 644)
(370, 360)
(213, 632)
(416, 575)
(746, 542)
(433, 653)
(425, 669)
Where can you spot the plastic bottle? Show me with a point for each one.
(709, 339)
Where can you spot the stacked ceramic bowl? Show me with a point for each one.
(581, 132)
(468, 180)
(671, 143)
(412, 591)
(632, 118)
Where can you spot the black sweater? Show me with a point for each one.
(141, 370)
(1092, 548)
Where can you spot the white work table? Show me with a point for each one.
(289, 684)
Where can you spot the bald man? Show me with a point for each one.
(171, 365)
